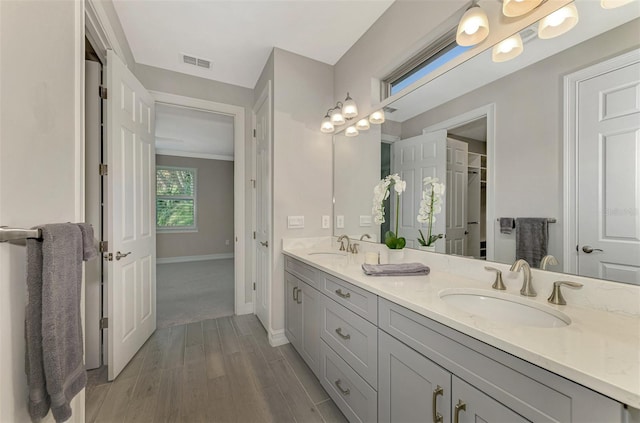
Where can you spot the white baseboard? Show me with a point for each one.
(244, 309)
(184, 259)
(277, 338)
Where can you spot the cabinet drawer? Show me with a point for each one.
(356, 399)
(302, 270)
(352, 337)
(361, 302)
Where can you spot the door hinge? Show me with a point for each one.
(103, 246)
(102, 92)
(254, 286)
(254, 234)
(254, 133)
(104, 323)
(108, 257)
(103, 169)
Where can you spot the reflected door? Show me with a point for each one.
(456, 192)
(609, 175)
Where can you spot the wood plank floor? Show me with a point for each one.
(219, 370)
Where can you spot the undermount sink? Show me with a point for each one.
(328, 253)
(504, 308)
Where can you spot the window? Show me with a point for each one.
(422, 64)
(175, 199)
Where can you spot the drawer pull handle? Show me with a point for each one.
(342, 335)
(459, 406)
(437, 417)
(339, 385)
(295, 296)
(342, 294)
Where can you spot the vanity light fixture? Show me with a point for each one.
(339, 114)
(337, 117)
(558, 22)
(612, 4)
(377, 117)
(513, 8)
(362, 125)
(507, 49)
(326, 126)
(473, 27)
(351, 131)
(349, 109)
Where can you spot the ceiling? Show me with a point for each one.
(194, 133)
(237, 36)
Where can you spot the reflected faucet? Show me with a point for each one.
(527, 287)
(365, 236)
(548, 260)
(341, 239)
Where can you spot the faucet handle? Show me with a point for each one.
(497, 284)
(556, 295)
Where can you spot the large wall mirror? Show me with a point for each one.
(514, 140)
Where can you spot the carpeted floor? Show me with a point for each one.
(194, 291)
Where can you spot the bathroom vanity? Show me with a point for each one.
(390, 349)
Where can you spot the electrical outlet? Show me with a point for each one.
(340, 222)
(326, 222)
(226, 242)
(295, 222)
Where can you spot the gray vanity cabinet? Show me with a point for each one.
(471, 405)
(302, 319)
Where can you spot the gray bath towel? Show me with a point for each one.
(401, 269)
(532, 237)
(506, 225)
(53, 330)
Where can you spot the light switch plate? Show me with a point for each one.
(326, 222)
(365, 220)
(295, 222)
(340, 222)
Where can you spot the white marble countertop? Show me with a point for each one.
(599, 349)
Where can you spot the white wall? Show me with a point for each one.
(41, 173)
(302, 171)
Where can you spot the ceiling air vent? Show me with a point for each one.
(388, 109)
(196, 61)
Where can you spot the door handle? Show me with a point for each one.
(461, 406)
(588, 249)
(265, 244)
(295, 294)
(120, 255)
(437, 417)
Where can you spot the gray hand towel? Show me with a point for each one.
(401, 269)
(53, 330)
(532, 237)
(506, 225)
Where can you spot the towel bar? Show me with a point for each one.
(12, 234)
(549, 220)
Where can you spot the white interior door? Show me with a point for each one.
(414, 159)
(263, 205)
(609, 175)
(456, 193)
(130, 228)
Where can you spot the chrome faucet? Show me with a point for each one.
(527, 287)
(341, 239)
(548, 260)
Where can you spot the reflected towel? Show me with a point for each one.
(53, 330)
(506, 225)
(532, 237)
(401, 269)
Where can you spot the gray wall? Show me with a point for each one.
(529, 143)
(214, 210)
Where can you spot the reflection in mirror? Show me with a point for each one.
(500, 135)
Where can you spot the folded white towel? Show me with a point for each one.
(401, 269)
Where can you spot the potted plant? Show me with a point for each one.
(430, 205)
(381, 192)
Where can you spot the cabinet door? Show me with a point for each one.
(475, 406)
(292, 310)
(310, 340)
(409, 385)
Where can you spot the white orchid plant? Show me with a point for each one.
(430, 205)
(380, 193)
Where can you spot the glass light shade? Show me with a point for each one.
(513, 8)
(507, 49)
(351, 131)
(558, 22)
(612, 4)
(377, 117)
(473, 27)
(362, 125)
(349, 108)
(336, 117)
(326, 126)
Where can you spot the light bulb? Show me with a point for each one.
(473, 27)
(377, 117)
(558, 22)
(362, 125)
(326, 126)
(336, 117)
(513, 8)
(349, 108)
(507, 49)
(351, 131)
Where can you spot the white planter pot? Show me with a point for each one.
(395, 256)
(430, 248)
